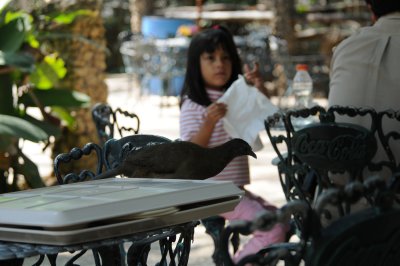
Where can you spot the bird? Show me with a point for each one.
(179, 160)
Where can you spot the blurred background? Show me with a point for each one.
(57, 55)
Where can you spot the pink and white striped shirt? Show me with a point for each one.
(191, 119)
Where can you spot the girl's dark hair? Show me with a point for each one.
(384, 7)
(207, 40)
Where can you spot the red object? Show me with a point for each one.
(301, 67)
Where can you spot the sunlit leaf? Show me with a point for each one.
(33, 42)
(57, 64)
(68, 18)
(26, 19)
(48, 72)
(65, 116)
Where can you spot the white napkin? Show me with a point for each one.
(247, 110)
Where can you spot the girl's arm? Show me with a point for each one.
(253, 76)
(213, 114)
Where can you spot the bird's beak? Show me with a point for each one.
(252, 154)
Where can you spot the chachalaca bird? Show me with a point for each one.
(179, 160)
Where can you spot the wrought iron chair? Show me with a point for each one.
(76, 154)
(133, 52)
(367, 237)
(107, 255)
(114, 253)
(115, 151)
(108, 121)
(336, 166)
(214, 226)
(332, 149)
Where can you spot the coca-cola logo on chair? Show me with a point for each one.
(334, 146)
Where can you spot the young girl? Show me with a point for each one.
(213, 64)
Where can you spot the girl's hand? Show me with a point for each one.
(215, 112)
(253, 77)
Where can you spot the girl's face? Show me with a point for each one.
(216, 68)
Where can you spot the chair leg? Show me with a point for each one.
(12, 262)
(235, 240)
(110, 255)
(137, 255)
(214, 226)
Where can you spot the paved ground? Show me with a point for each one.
(165, 121)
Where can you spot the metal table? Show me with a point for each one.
(10, 251)
(107, 213)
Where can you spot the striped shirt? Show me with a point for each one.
(191, 119)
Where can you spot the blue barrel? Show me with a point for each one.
(161, 27)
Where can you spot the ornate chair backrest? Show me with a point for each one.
(103, 117)
(122, 118)
(331, 150)
(76, 154)
(115, 150)
(389, 135)
(108, 120)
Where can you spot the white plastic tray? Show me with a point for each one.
(110, 230)
(93, 210)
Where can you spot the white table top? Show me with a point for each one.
(77, 212)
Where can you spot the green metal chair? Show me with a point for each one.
(109, 122)
(340, 172)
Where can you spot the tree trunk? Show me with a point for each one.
(85, 61)
(139, 8)
(283, 28)
(283, 24)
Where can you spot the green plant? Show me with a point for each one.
(29, 76)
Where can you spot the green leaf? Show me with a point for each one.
(302, 8)
(57, 65)
(50, 129)
(48, 72)
(22, 61)
(57, 97)
(68, 18)
(65, 116)
(33, 42)
(6, 92)
(19, 128)
(30, 171)
(12, 35)
(26, 18)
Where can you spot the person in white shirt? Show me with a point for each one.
(365, 68)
